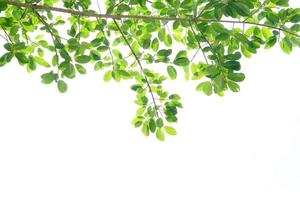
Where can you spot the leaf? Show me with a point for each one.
(155, 45)
(3, 5)
(145, 130)
(286, 45)
(21, 58)
(172, 72)
(107, 76)
(295, 18)
(233, 65)
(96, 42)
(62, 86)
(152, 125)
(159, 123)
(236, 77)
(160, 135)
(206, 87)
(187, 4)
(83, 59)
(41, 61)
(271, 42)
(158, 5)
(234, 87)
(241, 8)
(48, 78)
(170, 130)
(31, 66)
(182, 62)
(80, 69)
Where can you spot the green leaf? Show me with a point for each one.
(68, 69)
(241, 8)
(236, 77)
(172, 72)
(62, 86)
(152, 125)
(155, 45)
(21, 58)
(48, 78)
(159, 123)
(234, 87)
(182, 62)
(233, 65)
(80, 69)
(187, 4)
(96, 42)
(31, 66)
(160, 135)
(41, 61)
(158, 5)
(295, 18)
(145, 130)
(170, 130)
(83, 59)
(271, 42)
(3, 5)
(107, 76)
(286, 45)
(206, 87)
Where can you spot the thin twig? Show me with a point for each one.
(199, 43)
(140, 65)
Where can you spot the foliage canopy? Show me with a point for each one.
(214, 35)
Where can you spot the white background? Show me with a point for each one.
(81, 145)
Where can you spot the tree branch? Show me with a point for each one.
(97, 15)
(140, 65)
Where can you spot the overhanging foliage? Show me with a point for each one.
(214, 35)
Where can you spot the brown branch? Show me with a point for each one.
(97, 15)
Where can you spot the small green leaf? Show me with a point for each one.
(236, 77)
(160, 135)
(80, 69)
(233, 65)
(295, 18)
(83, 59)
(21, 58)
(170, 130)
(41, 61)
(234, 87)
(155, 45)
(107, 76)
(172, 72)
(48, 78)
(3, 5)
(206, 87)
(152, 125)
(145, 130)
(286, 45)
(182, 62)
(159, 123)
(62, 86)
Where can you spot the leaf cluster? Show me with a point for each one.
(213, 35)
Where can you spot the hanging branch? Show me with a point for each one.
(140, 65)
